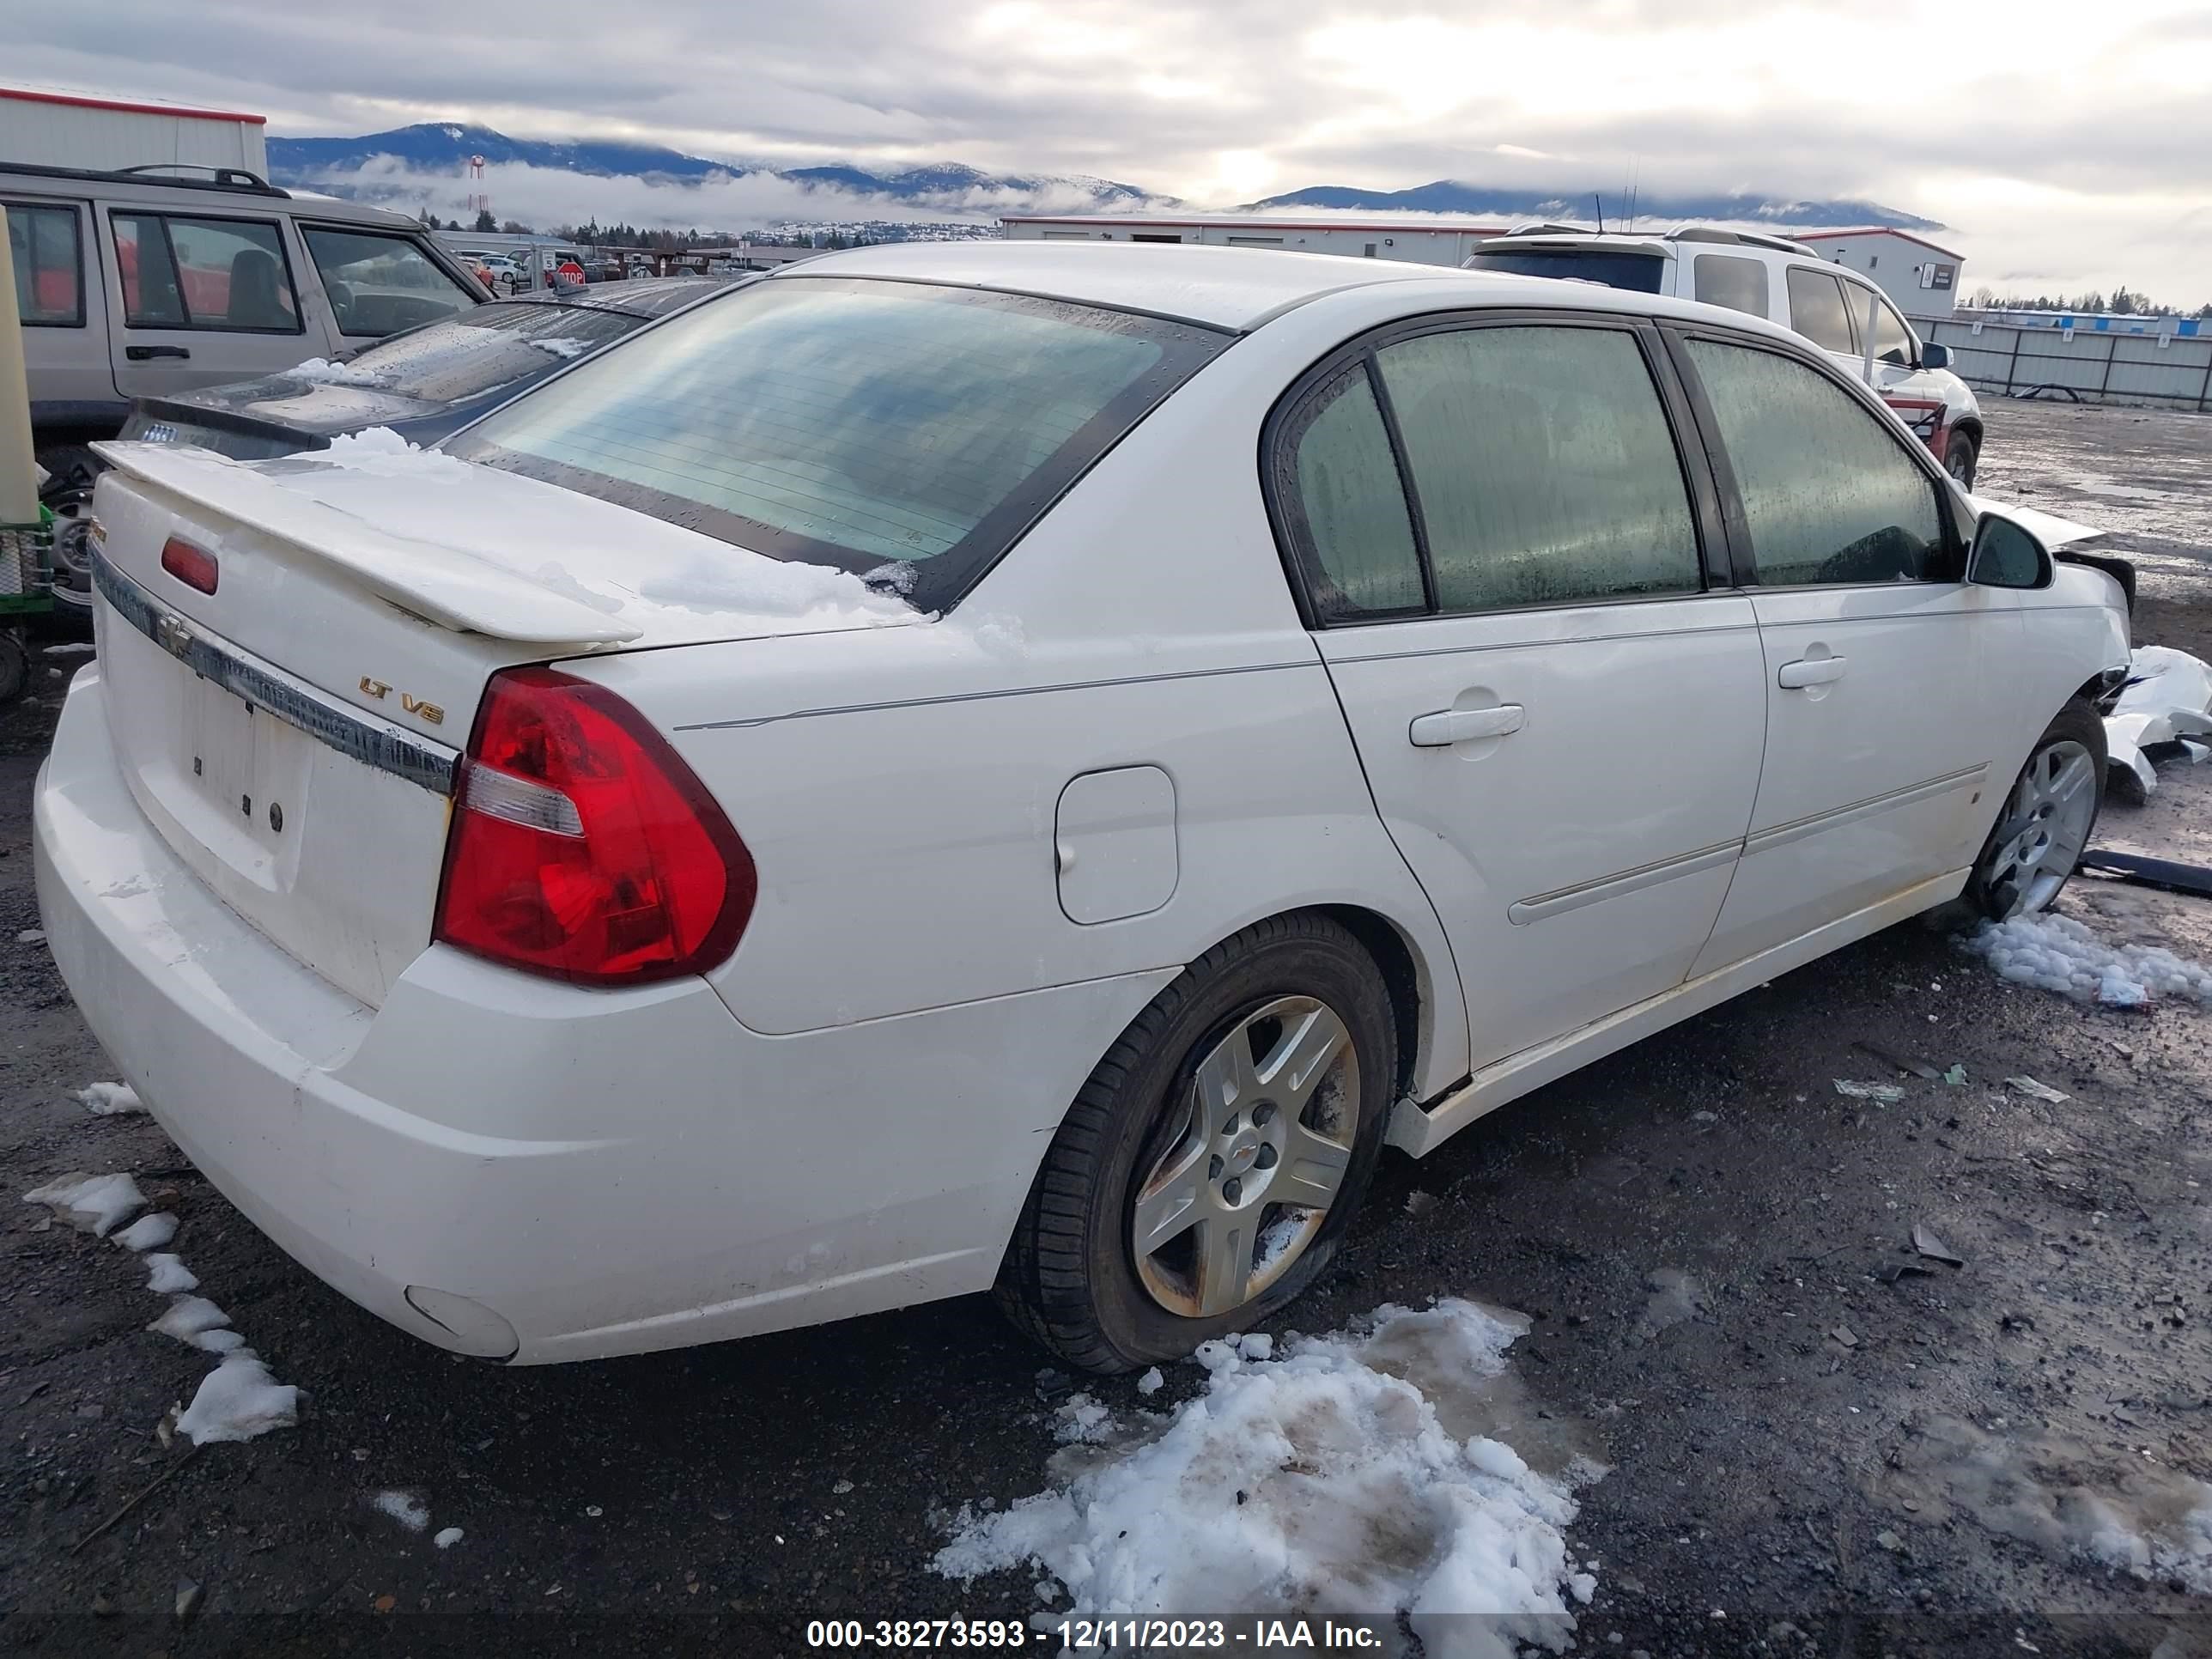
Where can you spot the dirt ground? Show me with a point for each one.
(1804, 1458)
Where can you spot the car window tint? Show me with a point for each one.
(1357, 536)
(42, 242)
(380, 284)
(1829, 493)
(1816, 309)
(850, 422)
(1542, 466)
(227, 274)
(1731, 280)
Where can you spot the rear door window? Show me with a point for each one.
(1543, 466)
(1731, 280)
(228, 274)
(378, 284)
(1338, 479)
(1817, 310)
(851, 422)
(44, 243)
(1829, 494)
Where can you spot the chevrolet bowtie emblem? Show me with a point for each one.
(171, 634)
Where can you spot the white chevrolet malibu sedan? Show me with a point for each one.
(965, 766)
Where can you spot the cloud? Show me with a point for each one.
(1922, 104)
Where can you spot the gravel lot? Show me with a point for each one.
(1694, 1227)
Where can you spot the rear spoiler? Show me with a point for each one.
(442, 584)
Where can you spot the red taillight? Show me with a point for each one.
(194, 567)
(582, 847)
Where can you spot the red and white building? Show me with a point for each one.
(55, 129)
(1920, 275)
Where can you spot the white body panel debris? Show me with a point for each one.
(2167, 707)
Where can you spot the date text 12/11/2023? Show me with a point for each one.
(1124, 1635)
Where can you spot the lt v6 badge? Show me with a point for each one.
(427, 711)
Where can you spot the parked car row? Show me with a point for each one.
(1022, 767)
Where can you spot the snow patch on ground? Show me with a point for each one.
(91, 1204)
(32, 936)
(168, 1275)
(447, 1537)
(1353, 1475)
(2058, 953)
(148, 1232)
(110, 1099)
(405, 1507)
(237, 1401)
(188, 1317)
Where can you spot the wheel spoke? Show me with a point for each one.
(2072, 778)
(1225, 1082)
(1312, 1169)
(1225, 1260)
(1171, 1202)
(1301, 1057)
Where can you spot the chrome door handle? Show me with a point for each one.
(1450, 725)
(1810, 670)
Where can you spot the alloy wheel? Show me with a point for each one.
(1255, 1156)
(2045, 828)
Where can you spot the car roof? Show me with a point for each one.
(1227, 287)
(231, 188)
(1232, 288)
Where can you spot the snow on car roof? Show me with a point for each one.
(1231, 288)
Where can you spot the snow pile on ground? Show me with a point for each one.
(405, 1507)
(110, 1099)
(91, 1204)
(148, 1232)
(2057, 953)
(239, 1399)
(1332, 1480)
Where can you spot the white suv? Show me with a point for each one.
(1783, 282)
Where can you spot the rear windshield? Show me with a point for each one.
(857, 424)
(1638, 271)
(487, 347)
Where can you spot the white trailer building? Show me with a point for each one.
(1922, 277)
(1420, 240)
(72, 129)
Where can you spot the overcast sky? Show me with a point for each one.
(2067, 146)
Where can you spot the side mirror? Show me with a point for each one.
(1933, 355)
(2007, 554)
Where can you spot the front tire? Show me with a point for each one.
(1209, 1167)
(2045, 824)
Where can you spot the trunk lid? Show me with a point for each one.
(292, 735)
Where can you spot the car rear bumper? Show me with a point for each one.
(557, 1173)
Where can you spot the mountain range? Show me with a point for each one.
(378, 166)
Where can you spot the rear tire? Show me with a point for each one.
(1172, 1120)
(1960, 457)
(2046, 821)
